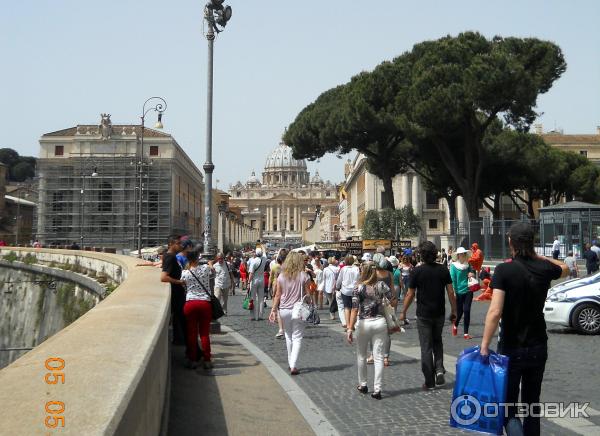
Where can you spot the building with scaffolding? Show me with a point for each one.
(89, 178)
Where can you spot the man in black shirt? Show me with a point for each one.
(591, 260)
(520, 290)
(171, 273)
(430, 280)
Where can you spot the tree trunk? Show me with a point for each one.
(387, 199)
(451, 200)
(497, 204)
(472, 202)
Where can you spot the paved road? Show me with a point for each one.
(329, 376)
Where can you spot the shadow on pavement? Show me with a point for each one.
(196, 406)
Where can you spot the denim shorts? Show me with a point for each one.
(347, 300)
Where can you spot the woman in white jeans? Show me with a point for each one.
(292, 286)
(367, 306)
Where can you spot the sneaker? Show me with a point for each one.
(426, 388)
(454, 330)
(376, 395)
(207, 365)
(467, 336)
(279, 334)
(363, 389)
(294, 371)
(439, 379)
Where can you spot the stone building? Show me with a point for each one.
(89, 181)
(285, 201)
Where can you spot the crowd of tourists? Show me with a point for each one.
(370, 295)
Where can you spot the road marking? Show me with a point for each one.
(580, 426)
(309, 410)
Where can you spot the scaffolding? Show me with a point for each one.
(91, 199)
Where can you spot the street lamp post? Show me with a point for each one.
(158, 105)
(216, 16)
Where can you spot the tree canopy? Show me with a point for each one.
(455, 110)
(20, 168)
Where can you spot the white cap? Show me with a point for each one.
(366, 257)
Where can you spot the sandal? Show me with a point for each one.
(386, 361)
(370, 361)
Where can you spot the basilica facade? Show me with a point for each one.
(285, 203)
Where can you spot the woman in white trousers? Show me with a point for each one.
(292, 286)
(367, 306)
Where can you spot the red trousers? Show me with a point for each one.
(198, 314)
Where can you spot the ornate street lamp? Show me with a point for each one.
(159, 105)
(216, 16)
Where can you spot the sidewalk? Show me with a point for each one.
(238, 397)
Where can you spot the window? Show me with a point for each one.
(57, 202)
(432, 201)
(275, 227)
(433, 224)
(252, 223)
(238, 194)
(59, 150)
(264, 225)
(583, 152)
(153, 201)
(105, 197)
(327, 194)
(154, 150)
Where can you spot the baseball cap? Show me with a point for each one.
(366, 257)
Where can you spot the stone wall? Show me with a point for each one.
(116, 356)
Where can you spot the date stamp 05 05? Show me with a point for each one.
(54, 409)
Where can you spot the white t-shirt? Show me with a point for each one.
(195, 291)
(222, 278)
(256, 267)
(556, 245)
(329, 278)
(347, 279)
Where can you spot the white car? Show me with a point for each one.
(575, 303)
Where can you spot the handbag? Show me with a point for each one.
(248, 303)
(473, 284)
(301, 309)
(217, 310)
(314, 317)
(390, 316)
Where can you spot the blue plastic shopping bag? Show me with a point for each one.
(479, 391)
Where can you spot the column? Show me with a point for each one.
(296, 227)
(416, 194)
(269, 218)
(461, 210)
(404, 190)
(287, 226)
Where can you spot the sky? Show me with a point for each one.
(67, 61)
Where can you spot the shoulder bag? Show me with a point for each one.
(390, 315)
(301, 309)
(217, 309)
